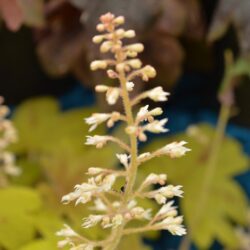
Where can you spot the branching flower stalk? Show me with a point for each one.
(226, 98)
(8, 135)
(116, 209)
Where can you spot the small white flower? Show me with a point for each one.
(174, 149)
(161, 199)
(156, 126)
(157, 94)
(67, 231)
(177, 230)
(63, 243)
(112, 95)
(155, 179)
(143, 156)
(101, 88)
(12, 170)
(166, 208)
(98, 64)
(130, 86)
(114, 222)
(82, 247)
(108, 182)
(98, 140)
(99, 205)
(170, 191)
(123, 158)
(96, 119)
(94, 171)
(141, 213)
(173, 225)
(143, 112)
(132, 204)
(91, 221)
(117, 220)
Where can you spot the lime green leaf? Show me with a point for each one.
(17, 206)
(226, 200)
(41, 245)
(47, 223)
(30, 173)
(134, 241)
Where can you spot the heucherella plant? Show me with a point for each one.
(116, 209)
(8, 135)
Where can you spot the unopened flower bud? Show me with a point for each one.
(98, 39)
(142, 136)
(107, 18)
(137, 47)
(120, 67)
(120, 33)
(98, 64)
(94, 171)
(149, 71)
(106, 46)
(112, 74)
(131, 130)
(129, 34)
(156, 111)
(119, 20)
(100, 27)
(131, 54)
(135, 63)
(101, 88)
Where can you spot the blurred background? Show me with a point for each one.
(45, 51)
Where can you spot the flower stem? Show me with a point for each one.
(212, 160)
(209, 174)
(132, 170)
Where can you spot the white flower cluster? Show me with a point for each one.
(8, 135)
(116, 208)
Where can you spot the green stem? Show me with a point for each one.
(132, 171)
(209, 173)
(214, 153)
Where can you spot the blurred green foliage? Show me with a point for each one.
(226, 202)
(53, 157)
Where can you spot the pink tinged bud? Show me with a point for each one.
(112, 74)
(142, 136)
(107, 18)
